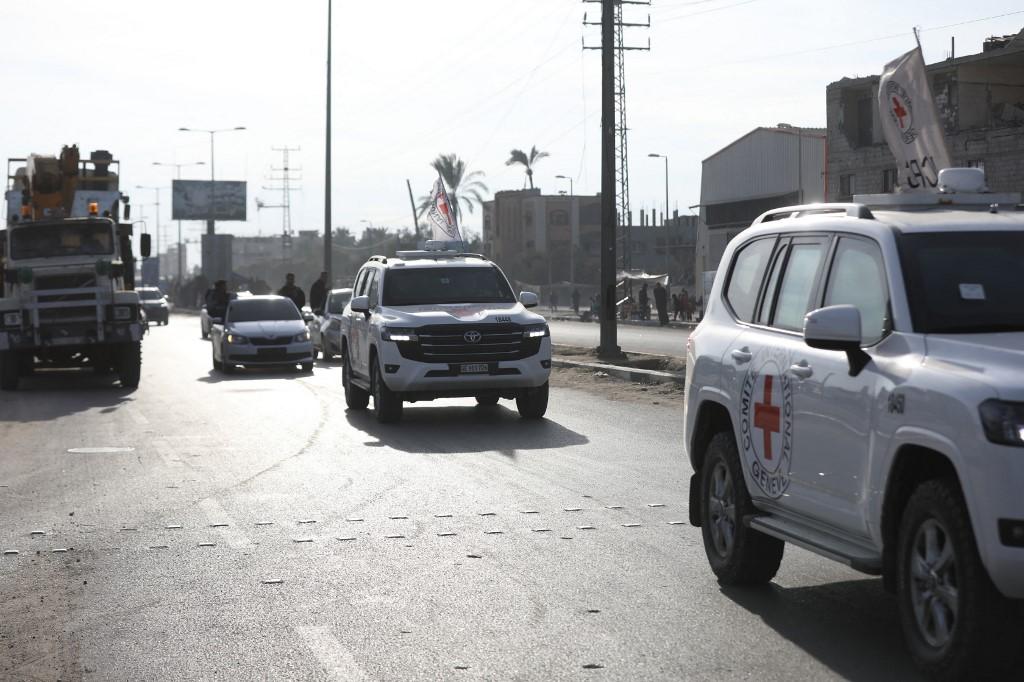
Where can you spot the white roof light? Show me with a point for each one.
(954, 180)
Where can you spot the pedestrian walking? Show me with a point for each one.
(684, 304)
(289, 290)
(676, 308)
(645, 303)
(661, 303)
(576, 301)
(318, 293)
(553, 301)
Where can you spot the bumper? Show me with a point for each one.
(257, 356)
(996, 476)
(65, 337)
(408, 376)
(158, 314)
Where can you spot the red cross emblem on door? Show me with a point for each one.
(767, 417)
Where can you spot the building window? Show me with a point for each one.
(846, 185)
(559, 218)
(888, 181)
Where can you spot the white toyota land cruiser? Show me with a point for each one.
(856, 388)
(441, 324)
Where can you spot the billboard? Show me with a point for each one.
(191, 200)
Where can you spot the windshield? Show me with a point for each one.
(150, 294)
(336, 303)
(62, 239)
(427, 286)
(964, 282)
(262, 309)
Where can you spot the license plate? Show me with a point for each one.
(474, 369)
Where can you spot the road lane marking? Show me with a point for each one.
(331, 654)
(216, 516)
(167, 453)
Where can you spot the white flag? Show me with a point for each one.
(442, 215)
(911, 122)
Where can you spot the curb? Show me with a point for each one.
(640, 376)
(626, 323)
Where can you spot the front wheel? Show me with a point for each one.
(386, 404)
(532, 403)
(738, 554)
(9, 371)
(307, 367)
(956, 623)
(129, 369)
(355, 397)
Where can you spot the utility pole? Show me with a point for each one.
(286, 186)
(412, 202)
(328, 255)
(615, 214)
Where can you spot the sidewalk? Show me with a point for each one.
(567, 315)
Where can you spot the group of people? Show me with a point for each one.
(217, 296)
(683, 307)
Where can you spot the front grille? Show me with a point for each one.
(270, 340)
(448, 344)
(76, 280)
(63, 315)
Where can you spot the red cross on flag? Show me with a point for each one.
(442, 214)
(911, 123)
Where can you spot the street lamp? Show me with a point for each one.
(178, 167)
(157, 228)
(662, 156)
(566, 177)
(210, 221)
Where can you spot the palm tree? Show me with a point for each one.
(527, 160)
(464, 189)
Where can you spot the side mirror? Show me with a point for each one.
(361, 304)
(308, 317)
(837, 328)
(145, 246)
(528, 299)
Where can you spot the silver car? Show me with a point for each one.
(325, 328)
(261, 331)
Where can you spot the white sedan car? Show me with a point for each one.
(261, 331)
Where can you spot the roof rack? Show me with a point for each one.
(850, 210)
(436, 255)
(378, 259)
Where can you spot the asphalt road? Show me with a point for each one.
(251, 528)
(632, 338)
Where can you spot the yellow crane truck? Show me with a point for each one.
(67, 273)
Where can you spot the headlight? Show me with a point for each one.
(536, 331)
(302, 336)
(1003, 422)
(236, 339)
(12, 319)
(398, 334)
(122, 312)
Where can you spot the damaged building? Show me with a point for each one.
(980, 99)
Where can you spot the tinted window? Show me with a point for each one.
(745, 279)
(360, 286)
(257, 309)
(764, 316)
(336, 303)
(797, 284)
(374, 279)
(150, 294)
(425, 286)
(89, 238)
(858, 278)
(964, 282)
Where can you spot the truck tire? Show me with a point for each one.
(532, 403)
(355, 397)
(738, 554)
(129, 369)
(386, 404)
(956, 624)
(9, 371)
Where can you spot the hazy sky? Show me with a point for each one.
(413, 79)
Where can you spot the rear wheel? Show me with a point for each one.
(386, 404)
(355, 397)
(738, 554)
(307, 367)
(532, 403)
(956, 623)
(487, 400)
(9, 371)
(129, 369)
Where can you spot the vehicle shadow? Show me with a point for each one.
(465, 429)
(50, 394)
(852, 627)
(216, 377)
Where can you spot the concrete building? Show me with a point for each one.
(766, 168)
(541, 238)
(169, 262)
(980, 98)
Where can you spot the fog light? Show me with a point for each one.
(391, 369)
(546, 364)
(1011, 532)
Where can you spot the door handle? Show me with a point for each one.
(742, 355)
(801, 370)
